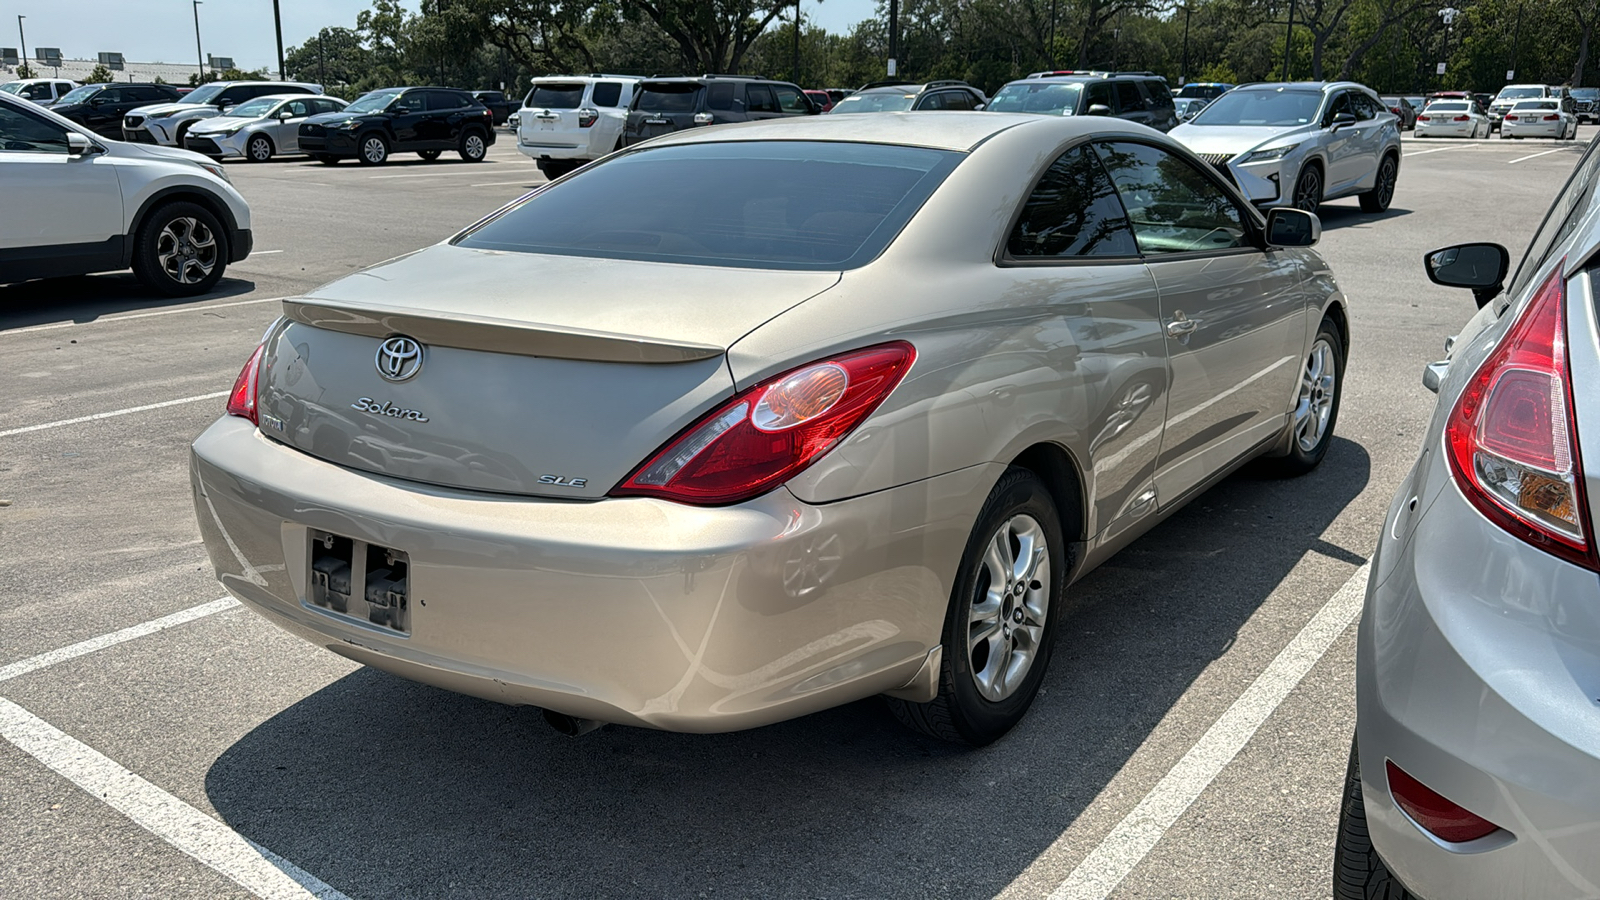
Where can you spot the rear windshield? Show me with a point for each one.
(1021, 96)
(1270, 107)
(877, 101)
(1521, 93)
(1577, 93)
(668, 97)
(1537, 104)
(555, 96)
(756, 204)
(1202, 91)
(1448, 106)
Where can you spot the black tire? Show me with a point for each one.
(1358, 872)
(326, 159)
(961, 713)
(372, 149)
(1308, 188)
(428, 155)
(1301, 458)
(474, 145)
(1382, 194)
(555, 168)
(259, 149)
(180, 250)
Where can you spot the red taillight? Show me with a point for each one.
(1510, 118)
(768, 434)
(1552, 118)
(1423, 119)
(587, 117)
(242, 400)
(1462, 119)
(1512, 436)
(1433, 811)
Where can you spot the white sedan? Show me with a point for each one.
(1539, 118)
(1452, 118)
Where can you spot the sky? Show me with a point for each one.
(163, 30)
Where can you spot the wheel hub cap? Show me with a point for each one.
(1005, 627)
(1317, 387)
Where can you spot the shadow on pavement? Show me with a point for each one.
(382, 787)
(1349, 213)
(88, 297)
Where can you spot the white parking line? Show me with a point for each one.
(264, 252)
(1535, 156)
(1138, 833)
(427, 174)
(500, 183)
(82, 648)
(248, 864)
(1434, 150)
(147, 315)
(113, 414)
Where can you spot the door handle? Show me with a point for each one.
(1181, 325)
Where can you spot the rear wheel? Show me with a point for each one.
(1358, 872)
(326, 159)
(428, 155)
(180, 250)
(1316, 410)
(1000, 623)
(374, 150)
(474, 146)
(259, 149)
(1308, 188)
(1377, 200)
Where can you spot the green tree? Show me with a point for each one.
(334, 57)
(26, 71)
(99, 75)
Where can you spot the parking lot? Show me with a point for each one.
(1191, 739)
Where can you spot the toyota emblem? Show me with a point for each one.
(399, 358)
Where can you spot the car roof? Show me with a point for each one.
(945, 130)
(299, 97)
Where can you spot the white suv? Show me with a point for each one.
(43, 91)
(566, 121)
(83, 204)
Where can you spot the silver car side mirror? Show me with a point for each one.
(78, 145)
(1290, 227)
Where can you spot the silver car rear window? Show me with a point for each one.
(751, 204)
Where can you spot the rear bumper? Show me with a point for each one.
(1536, 129)
(635, 611)
(1477, 669)
(1445, 129)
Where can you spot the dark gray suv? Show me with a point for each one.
(1141, 97)
(903, 96)
(663, 105)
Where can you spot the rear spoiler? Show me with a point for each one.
(493, 335)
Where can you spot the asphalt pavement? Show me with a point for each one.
(156, 740)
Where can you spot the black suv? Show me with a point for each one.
(662, 105)
(1141, 97)
(424, 120)
(497, 103)
(100, 107)
(903, 96)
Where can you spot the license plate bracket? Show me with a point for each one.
(356, 580)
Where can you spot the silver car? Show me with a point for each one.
(747, 422)
(1476, 767)
(258, 129)
(1301, 143)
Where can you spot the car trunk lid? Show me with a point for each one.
(541, 375)
(550, 118)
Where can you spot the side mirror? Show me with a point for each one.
(98, 101)
(78, 145)
(1290, 227)
(285, 115)
(1099, 109)
(1481, 267)
(1341, 120)
(979, 107)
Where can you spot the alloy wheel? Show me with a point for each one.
(186, 250)
(1386, 182)
(260, 148)
(474, 146)
(1005, 628)
(1318, 384)
(1308, 190)
(373, 150)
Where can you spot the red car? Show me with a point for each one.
(821, 100)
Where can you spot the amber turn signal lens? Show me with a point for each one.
(800, 397)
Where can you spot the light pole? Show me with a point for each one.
(796, 78)
(1449, 14)
(200, 58)
(1183, 77)
(24, 40)
(277, 23)
(894, 37)
(1053, 63)
(1288, 41)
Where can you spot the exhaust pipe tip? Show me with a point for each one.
(571, 726)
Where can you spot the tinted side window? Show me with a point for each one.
(1098, 92)
(1073, 212)
(790, 100)
(1365, 108)
(445, 100)
(1128, 97)
(931, 101)
(23, 133)
(1341, 105)
(411, 102)
(112, 95)
(298, 108)
(324, 106)
(963, 100)
(1559, 222)
(758, 98)
(718, 96)
(1160, 97)
(1173, 207)
(608, 94)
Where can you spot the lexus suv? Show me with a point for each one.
(1136, 96)
(1301, 143)
(100, 107)
(426, 121)
(906, 96)
(166, 123)
(664, 105)
(99, 206)
(568, 120)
